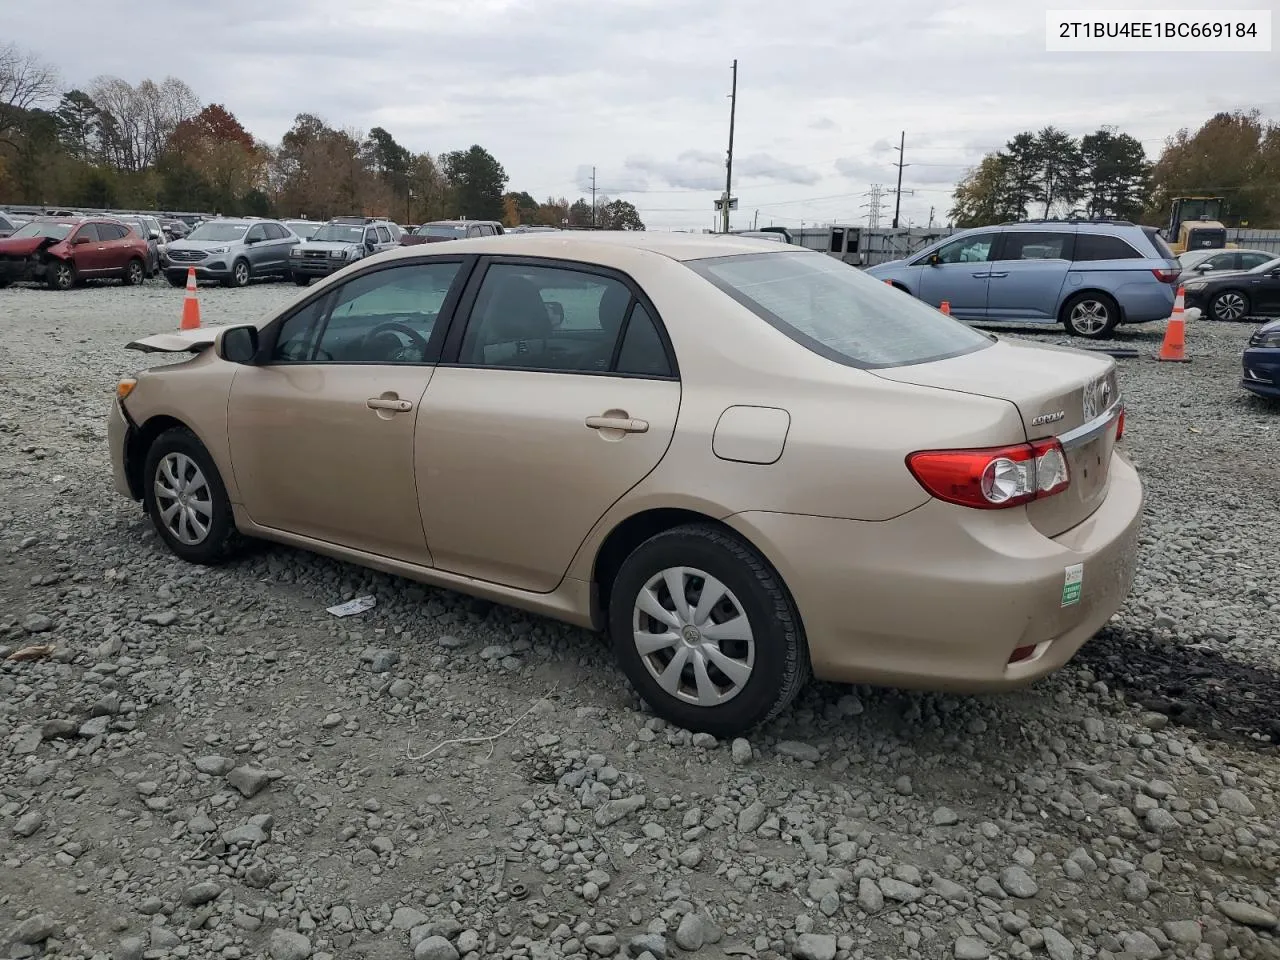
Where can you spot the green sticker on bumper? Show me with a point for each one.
(1072, 581)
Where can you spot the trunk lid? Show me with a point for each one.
(1059, 392)
(178, 341)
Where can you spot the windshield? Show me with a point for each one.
(1192, 257)
(340, 233)
(837, 311)
(220, 232)
(444, 231)
(302, 228)
(56, 231)
(1267, 267)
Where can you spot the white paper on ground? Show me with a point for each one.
(352, 607)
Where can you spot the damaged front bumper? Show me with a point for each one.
(19, 269)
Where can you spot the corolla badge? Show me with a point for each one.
(1048, 418)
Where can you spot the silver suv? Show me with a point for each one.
(341, 241)
(231, 250)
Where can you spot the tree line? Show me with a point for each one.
(1104, 174)
(156, 145)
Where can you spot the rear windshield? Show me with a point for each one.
(838, 312)
(444, 231)
(1162, 248)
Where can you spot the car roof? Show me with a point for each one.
(586, 245)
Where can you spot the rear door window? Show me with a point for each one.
(1100, 246)
(1250, 260)
(1036, 246)
(837, 312)
(384, 235)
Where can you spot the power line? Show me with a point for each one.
(874, 204)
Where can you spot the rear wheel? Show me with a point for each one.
(301, 279)
(1091, 315)
(134, 273)
(186, 500)
(62, 276)
(1229, 305)
(706, 632)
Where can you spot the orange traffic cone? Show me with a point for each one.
(190, 306)
(945, 307)
(1174, 347)
(889, 282)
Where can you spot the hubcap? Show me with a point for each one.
(1229, 306)
(1090, 316)
(183, 498)
(242, 274)
(693, 636)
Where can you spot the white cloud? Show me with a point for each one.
(639, 88)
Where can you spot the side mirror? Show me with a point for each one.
(79, 240)
(237, 344)
(252, 240)
(1204, 267)
(934, 260)
(155, 234)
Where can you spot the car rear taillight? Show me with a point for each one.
(993, 478)
(1167, 276)
(1120, 426)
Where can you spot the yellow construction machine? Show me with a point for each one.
(1195, 224)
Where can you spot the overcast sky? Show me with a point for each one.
(639, 88)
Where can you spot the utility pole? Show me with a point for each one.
(728, 176)
(593, 196)
(931, 217)
(897, 204)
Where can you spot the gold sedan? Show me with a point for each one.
(747, 462)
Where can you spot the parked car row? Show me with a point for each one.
(63, 251)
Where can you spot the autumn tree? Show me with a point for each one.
(982, 196)
(135, 123)
(519, 208)
(26, 83)
(211, 158)
(428, 189)
(553, 212)
(477, 182)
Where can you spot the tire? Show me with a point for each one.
(63, 276)
(1091, 315)
(777, 656)
(301, 279)
(177, 453)
(134, 273)
(1229, 306)
(176, 279)
(240, 274)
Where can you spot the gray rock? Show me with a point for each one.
(1058, 946)
(870, 898)
(601, 945)
(1186, 932)
(28, 823)
(751, 817)
(945, 817)
(288, 945)
(58, 729)
(35, 929)
(26, 741)
(406, 918)
(130, 948)
(435, 948)
(815, 946)
(899, 891)
(741, 751)
(651, 943)
(1248, 914)
(1236, 802)
(247, 835)
(37, 623)
(1160, 820)
(1018, 883)
(94, 726)
(695, 931)
(611, 811)
(1140, 945)
(971, 948)
(797, 750)
(402, 689)
(160, 618)
(251, 780)
(690, 857)
(201, 893)
(383, 661)
(162, 938)
(215, 766)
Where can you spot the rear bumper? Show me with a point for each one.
(1146, 302)
(1261, 373)
(940, 597)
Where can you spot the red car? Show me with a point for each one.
(63, 251)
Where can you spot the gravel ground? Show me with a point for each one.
(211, 766)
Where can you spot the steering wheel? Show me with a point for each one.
(395, 326)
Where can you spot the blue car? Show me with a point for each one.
(1088, 275)
(1261, 361)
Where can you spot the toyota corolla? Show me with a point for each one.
(744, 462)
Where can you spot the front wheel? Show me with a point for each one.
(239, 274)
(1091, 315)
(301, 279)
(1230, 305)
(706, 632)
(186, 500)
(62, 276)
(134, 273)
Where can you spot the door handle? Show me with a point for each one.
(625, 424)
(382, 403)
(994, 275)
(981, 276)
